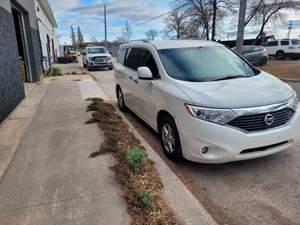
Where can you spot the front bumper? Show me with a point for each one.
(226, 143)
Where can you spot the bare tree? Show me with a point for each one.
(209, 12)
(94, 39)
(152, 33)
(182, 24)
(127, 32)
(268, 10)
(240, 32)
(120, 39)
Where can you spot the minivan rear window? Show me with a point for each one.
(296, 42)
(203, 63)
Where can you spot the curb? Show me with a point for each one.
(289, 79)
(186, 208)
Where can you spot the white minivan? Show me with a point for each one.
(207, 103)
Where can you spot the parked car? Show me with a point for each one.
(284, 48)
(206, 102)
(78, 52)
(95, 57)
(256, 55)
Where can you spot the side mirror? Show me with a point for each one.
(144, 73)
(83, 53)
(110, 53)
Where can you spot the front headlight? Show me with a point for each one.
(293, 104)
(220, 116)
(110, 58)
(90, 58)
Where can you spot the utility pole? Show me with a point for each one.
(290, 27)
(105, 26)
(241, 26)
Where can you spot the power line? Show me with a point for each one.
(142, 9)
(154, 18)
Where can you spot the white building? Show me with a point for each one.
(48, 36)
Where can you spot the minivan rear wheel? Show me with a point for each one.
(170, 140)
(120, 98)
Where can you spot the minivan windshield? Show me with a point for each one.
(207, 63)
(96, 50)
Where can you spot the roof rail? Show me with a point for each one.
(141, 40)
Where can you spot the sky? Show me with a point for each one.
(81, 13)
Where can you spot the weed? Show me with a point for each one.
(146, 198)
(74, 72)
(122, 155)
(94, 105)
(136, 156)
(56, 71)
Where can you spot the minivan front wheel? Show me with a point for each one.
(170, 139)
(120, 98)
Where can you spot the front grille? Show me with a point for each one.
(100, 58)
(257, 122)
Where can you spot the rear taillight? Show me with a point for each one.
(266, 51)
(291, 47)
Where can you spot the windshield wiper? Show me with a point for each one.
(229, 77)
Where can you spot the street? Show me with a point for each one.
(258, 191)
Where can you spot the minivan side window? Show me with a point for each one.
(135, 58)
(150, 63)
(273, 43)
(132, 58)
(121, 56)
(284, 42)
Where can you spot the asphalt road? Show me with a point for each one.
(258, 191)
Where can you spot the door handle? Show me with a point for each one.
(136, 81)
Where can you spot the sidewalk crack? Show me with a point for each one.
(59, 201)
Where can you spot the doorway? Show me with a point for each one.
(21, 42)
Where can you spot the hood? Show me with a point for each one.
(263, 89)
(97, 54)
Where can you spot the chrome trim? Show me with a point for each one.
(264, 109)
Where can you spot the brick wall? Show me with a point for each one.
(11, 85)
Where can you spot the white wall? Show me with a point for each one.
(46, 28)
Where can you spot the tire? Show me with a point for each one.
(88, 67)
(280, 55)
(121, 102)
(169, 138)
(84, 66)
(263, 61)
(110, 68)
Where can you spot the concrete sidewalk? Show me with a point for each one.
(50, 179)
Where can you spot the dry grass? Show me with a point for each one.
(118, 140)
(77, 79)
(85, 72)
(67, 73)
(74, 72)
(284, 69)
